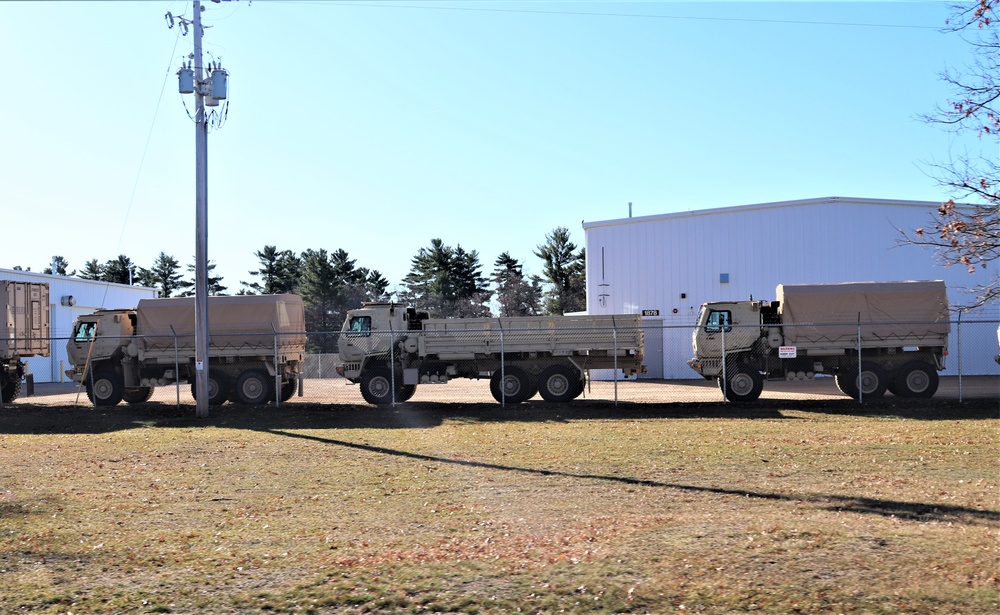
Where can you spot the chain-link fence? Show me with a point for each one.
(648, 364)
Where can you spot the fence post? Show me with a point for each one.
(861, 393)
(503, 389)
(277, 375)
(959, 332)
(614, 338)
(392, 363)
(177, 369)
(725, 363)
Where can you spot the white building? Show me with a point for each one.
(667, 265)
(68, 298)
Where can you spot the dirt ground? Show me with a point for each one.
(339, 391)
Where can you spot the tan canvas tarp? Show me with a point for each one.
(242, 321)
(902, 311)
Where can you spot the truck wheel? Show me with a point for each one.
(137, 395)
(376, 386)
(107, 389)
(742, 383)
(253, 387)
(916, 379)
(559, 383)
(873, 379)
(515, 387)
(406, 392)
(10, 389)
(288, 389)
(218, 389)
(578, 388)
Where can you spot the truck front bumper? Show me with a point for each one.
(708, 368)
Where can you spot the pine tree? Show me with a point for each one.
(213, 283)
(164, 275)
(516, 295)
(565, 269)
(447, 281)
(279, 272)
(120, 271)
(61, 266)
(92, 270)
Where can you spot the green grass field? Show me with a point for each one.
(778, 507)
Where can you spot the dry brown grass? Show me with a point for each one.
(783, 506)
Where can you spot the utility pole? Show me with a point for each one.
(201, 229)
(207, 91)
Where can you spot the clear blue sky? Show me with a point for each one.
(378, 126)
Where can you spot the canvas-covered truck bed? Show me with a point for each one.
(25, 308)
(598, 338)
(240, 326)
(890, 314)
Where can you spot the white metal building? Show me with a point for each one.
(68, 298)
(666, 266)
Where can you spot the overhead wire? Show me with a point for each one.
(142, 159)
(376, 4)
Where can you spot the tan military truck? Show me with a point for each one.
(256, 349)
(390, 349)
(871, 336)
(25, 308)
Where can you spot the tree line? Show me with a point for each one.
(444, 280)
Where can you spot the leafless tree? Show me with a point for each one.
(964, 236)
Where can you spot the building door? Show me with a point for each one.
(652, 332)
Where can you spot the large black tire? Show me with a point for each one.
(105, 388)
(578, 390)
(916, 379)
(219, 389)
(10, 388)
(874, 381)
(406, 392)
(742, 383)
(559, 383)
(253, 387)
(288, 389)
(376, 386)
(137, 395)
(516, 386)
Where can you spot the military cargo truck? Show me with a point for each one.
(25, 308)
(390, 349)
(256, 349)
(814, 329)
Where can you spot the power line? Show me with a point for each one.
(381, 5)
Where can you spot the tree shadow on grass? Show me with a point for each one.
(916, 511)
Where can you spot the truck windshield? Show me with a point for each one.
(361, 326)
(85, 332)
(719, 320)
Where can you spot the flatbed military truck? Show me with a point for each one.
(871, 336)
(255, 354)
(25, 308)
(390, 349)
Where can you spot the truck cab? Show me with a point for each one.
(98, 336)
(728, 327)
(370, 329)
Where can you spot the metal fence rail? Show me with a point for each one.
(970, 367)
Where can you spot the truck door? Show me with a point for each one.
(726, 325)
(361, 340)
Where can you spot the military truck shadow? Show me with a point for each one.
(25, 418)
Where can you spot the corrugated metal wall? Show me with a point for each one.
(675, 262)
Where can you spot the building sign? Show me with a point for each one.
(651, 312)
